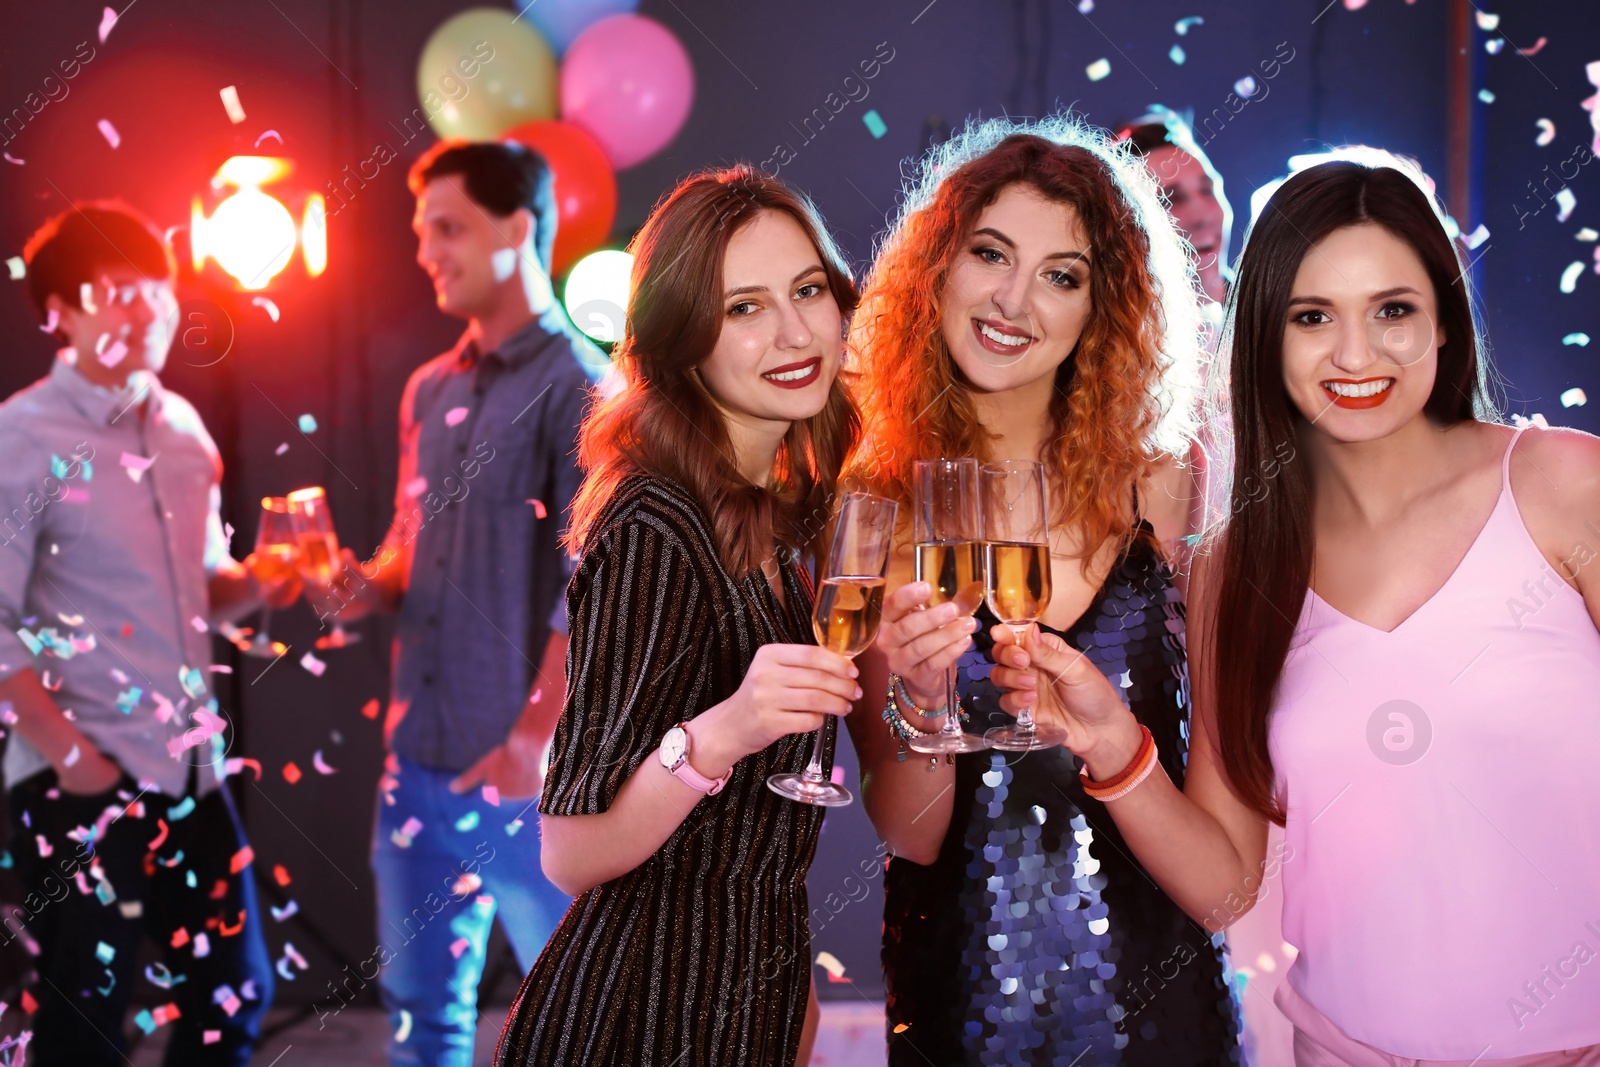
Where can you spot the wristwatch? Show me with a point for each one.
(675, 758)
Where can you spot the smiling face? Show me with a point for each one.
(1191, 199)
(468, 253)
(1361, 345)
(781, 341)
(1016, 298)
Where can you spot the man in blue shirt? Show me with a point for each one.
(471, 562)
(113, 567)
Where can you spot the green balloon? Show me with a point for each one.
(483, 72)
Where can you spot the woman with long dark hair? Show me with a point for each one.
(1397, 654)
(1033, 303)
(692, 672)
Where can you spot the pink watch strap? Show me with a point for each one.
(693, 778)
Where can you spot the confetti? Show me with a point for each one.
(1566, 200)
(291, 772)
(404, 1029)
(159, 974)
(193, 684)
(1494, 46)
(468, 822)
(458, 946)
(1098, 69)
(321, 764)
(160, 838)
(13, 159)
(512, 827)
(313, 664)
(1569, 277)
(1587, 234)
(1181, 27)
(370, 709)
(491, 796)
(104, 952)
(1592, 104)
(284, 912)
(86, 299)
(1486, 96)
(416, 487)
(1573, 398)
(454, 416)
(128, 699)
(108, 19)
(115, 353)
(1547, 132)
(281, 449)
(1085, 6)
(269, 133)
(1579, 339)
(308, 424)
(17, 268)
(225, 998)
(266, 305)
(539, 511)
(1176, 54)
(1477, 236)
(109, 132)
(1535, 48)
(241, 859)
(136, 465)
(901, 1028)
(1354, 5)
(71, 761)
(1246, 87)
(210, 1037)
(235, 764)
(202, 946)
(230, 100)
(1487, 22)
(875, 124)
(51, 322)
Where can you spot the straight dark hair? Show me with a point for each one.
(92, 236)
(1266, 545)
(500, 177)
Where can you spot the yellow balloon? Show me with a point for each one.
(484, 71)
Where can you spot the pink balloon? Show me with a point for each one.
(627, 81)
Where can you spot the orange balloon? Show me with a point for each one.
(585, 187)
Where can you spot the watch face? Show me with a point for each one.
(674, 748)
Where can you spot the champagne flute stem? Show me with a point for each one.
(815, 771)
(952, 721)
(1024, 716)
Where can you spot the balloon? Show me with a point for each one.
(585, 188)
(483, 72)
(562, 20)
(597, 294)
(627, 80)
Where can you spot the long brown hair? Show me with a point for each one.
(1126, 392)
(1265, 545)
(665, 423)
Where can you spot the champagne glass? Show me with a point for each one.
(276, 558)
(845, 617)
(319, 552)
(1016, 572)
(945, 529)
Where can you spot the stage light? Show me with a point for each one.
(597, 294)
(251, 234)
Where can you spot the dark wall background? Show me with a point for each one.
(336, 79)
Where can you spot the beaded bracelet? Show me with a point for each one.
(903, 700)
(1123, 783)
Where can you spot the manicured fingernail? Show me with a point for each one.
(858, 693)
(972, 625)
(855, 672)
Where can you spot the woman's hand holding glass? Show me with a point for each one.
(789, 689)
(920, 643)
(1066, 691)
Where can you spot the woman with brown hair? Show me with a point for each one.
(691, 672)
(1033, 303)
(1397, 656)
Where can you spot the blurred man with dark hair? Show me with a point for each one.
(472, 564)
(112, 563)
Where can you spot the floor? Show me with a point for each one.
(851, 1035)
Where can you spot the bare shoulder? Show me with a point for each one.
(1555, 478)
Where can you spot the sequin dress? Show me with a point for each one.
(1036, 938)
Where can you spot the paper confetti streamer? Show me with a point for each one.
(1547, 132)
(1535, 48)
(265, 304)
(1566, 200)
(9, 158)
(269, 133)
(108, 19)
(1569, 277)
(454, 416)
(1181, 27)
(403, 1031)
(284, 912)
(321, 764)
(230, 100)
(830, 963)
(1573, 398)
(159, 974)
(313, 664)
(109, 132)
(308, 424)
(1098, 69)
(1579, 339)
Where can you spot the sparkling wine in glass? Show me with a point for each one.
(845, 616)
(1016, 572)
(949, 557)
(319, 553)
(277, 556)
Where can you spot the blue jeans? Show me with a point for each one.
(445, 865)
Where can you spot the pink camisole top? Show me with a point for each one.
(1442, 786)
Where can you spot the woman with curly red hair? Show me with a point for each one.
(1034, 303)
(692, 673)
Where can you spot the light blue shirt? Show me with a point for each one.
(109, 533)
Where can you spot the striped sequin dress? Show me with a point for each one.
(1036, 938)
(701, 954)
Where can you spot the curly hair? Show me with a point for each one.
(664, 423)
(1126, 394)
